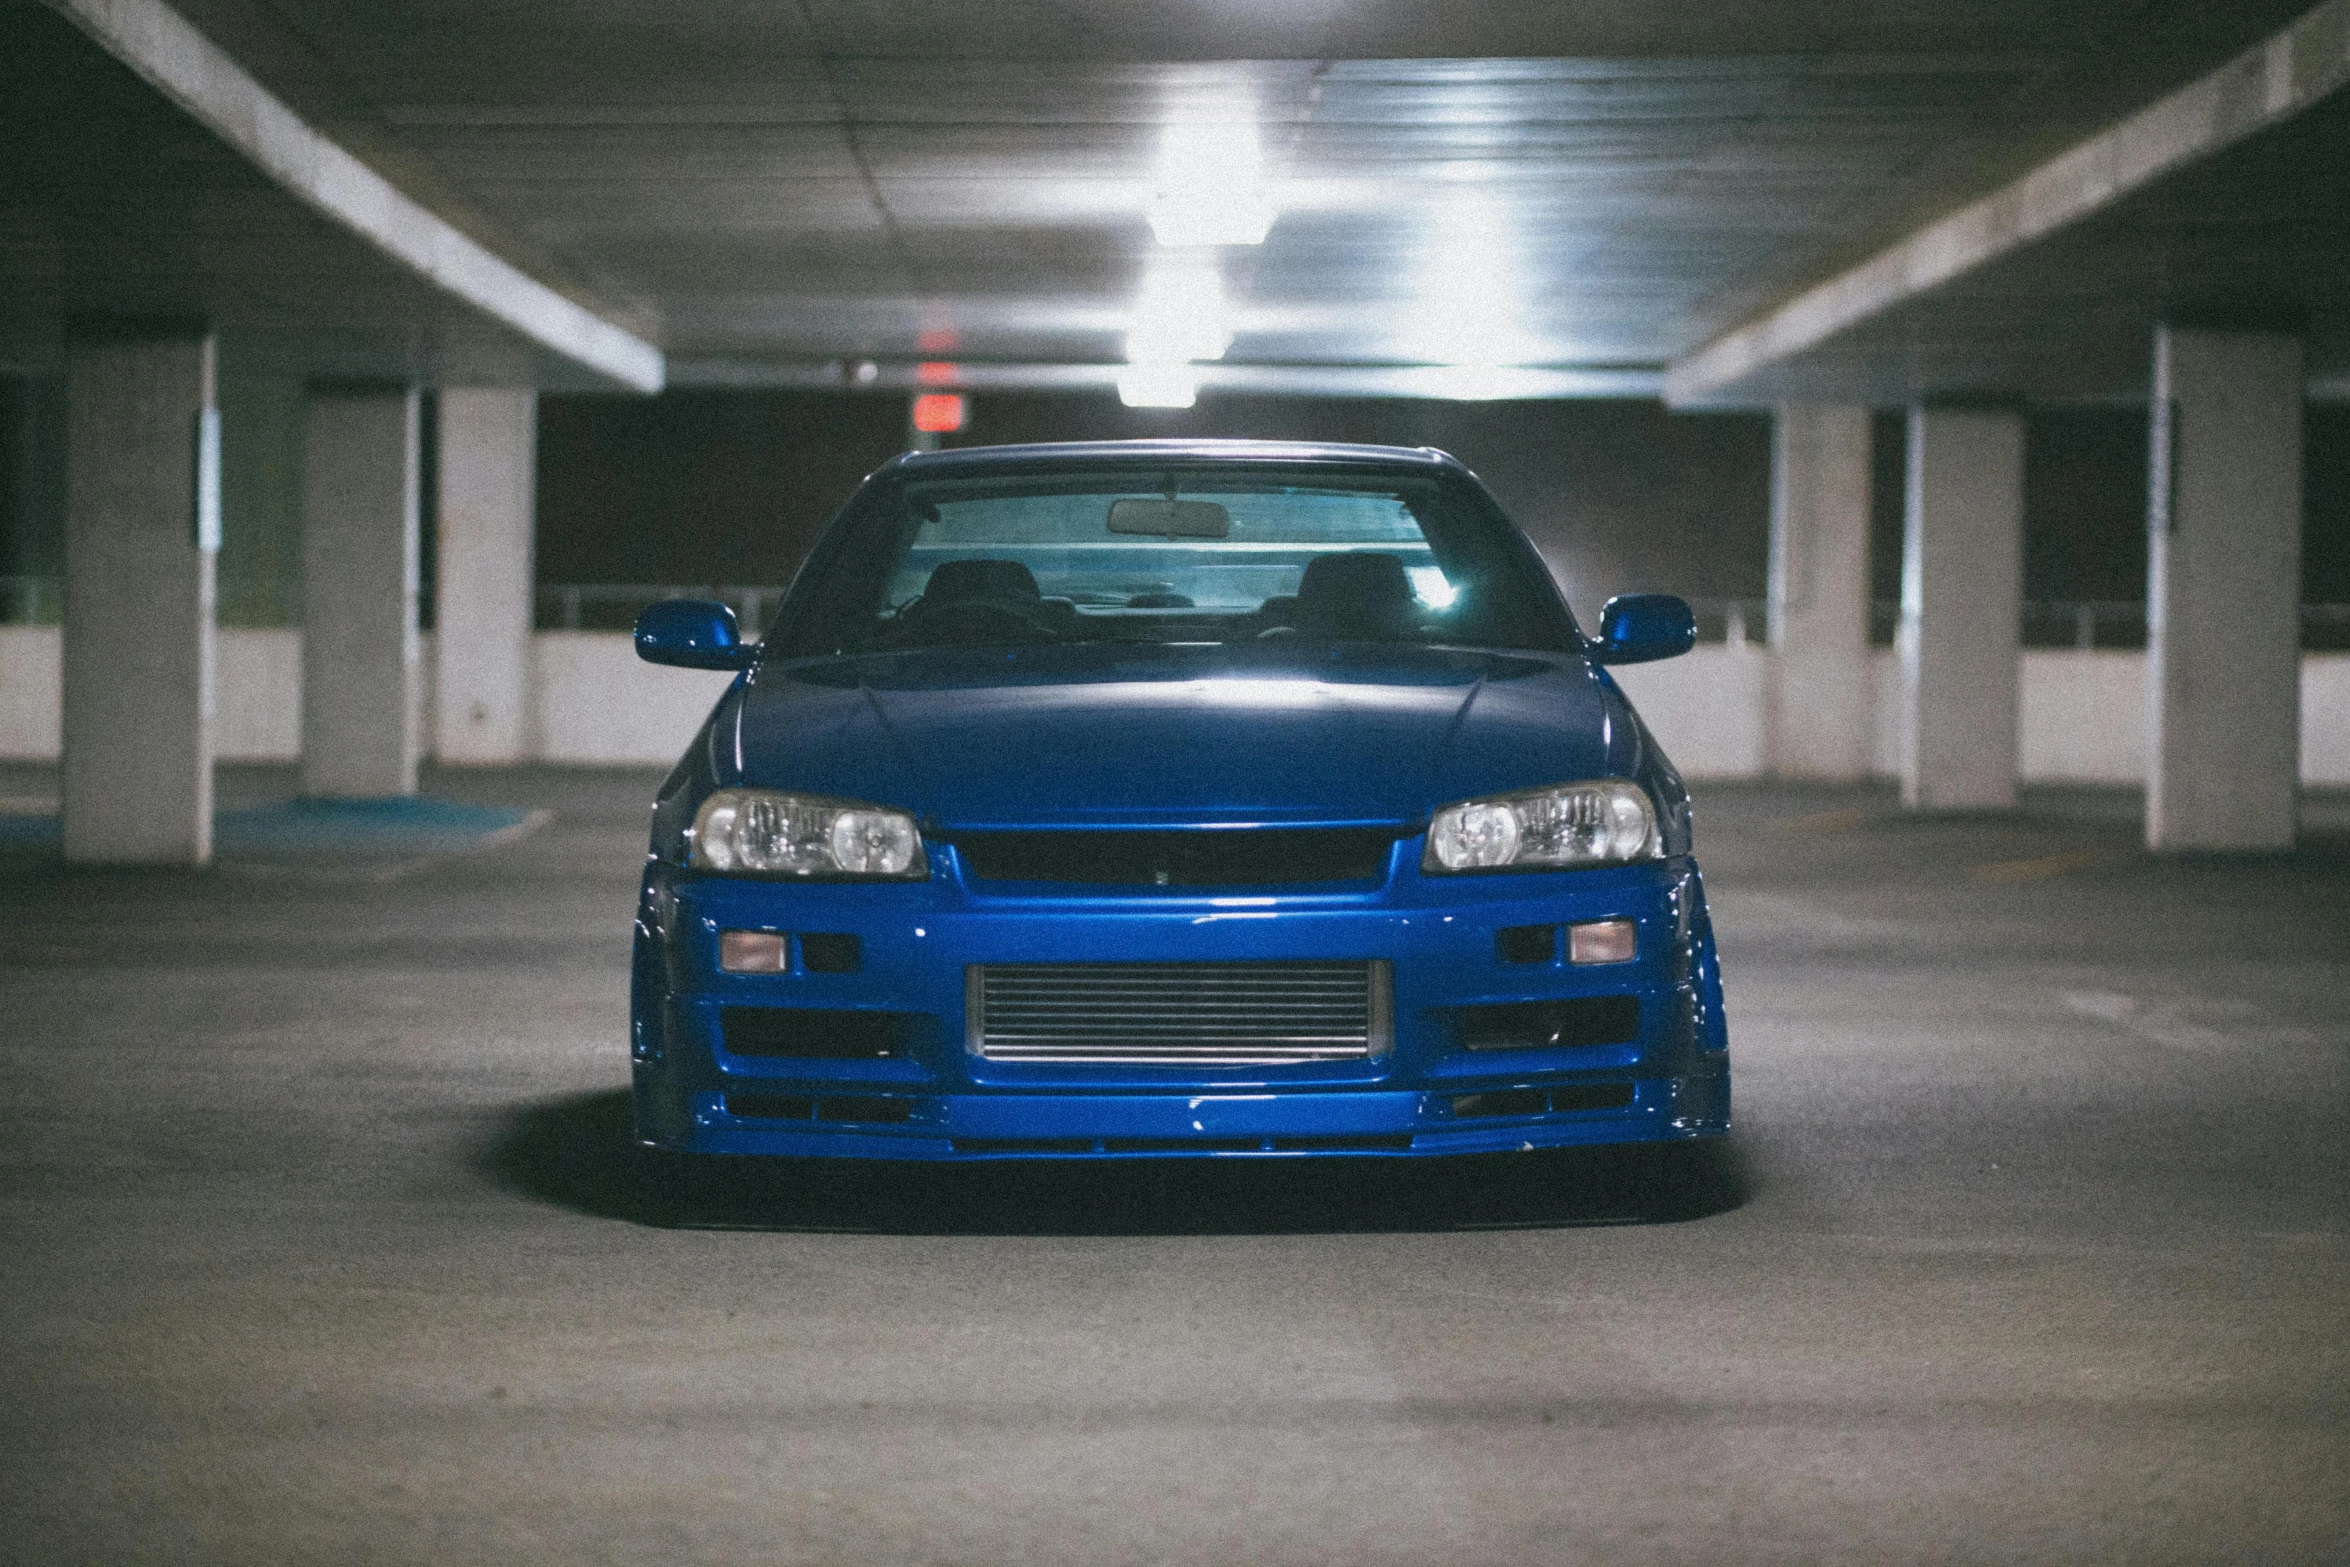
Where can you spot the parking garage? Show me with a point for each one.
(1977, 374)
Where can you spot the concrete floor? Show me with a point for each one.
(322, 1240)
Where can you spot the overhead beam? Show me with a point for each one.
(2269, 82)
(205, 81)
(1291, 379)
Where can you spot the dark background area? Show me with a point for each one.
(701, 488)
(731, 487)
(2325, 500)
(1621, 496)
(2084, 503)
(2085, 515)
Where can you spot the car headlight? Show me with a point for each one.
(1605, 822)
(762, 832)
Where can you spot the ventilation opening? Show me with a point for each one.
(1265, 856)
(812, 1033)
(771, 1107)
(1550, 1025)
(1592, 1096)
(864, 1107)
(1527, 943)
(1251, 1013)
(1399, 1142)
(832, 1107)
(820, 954)
(1396, 1142)
(1514, 1101)
(1538, 1101)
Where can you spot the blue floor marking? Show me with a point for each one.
(398, 823)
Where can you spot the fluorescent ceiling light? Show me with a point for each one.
(1471, 315)
(1211, 188)
(1200, 219)
(1179, 314)
(1430, 587)
(1157, 386)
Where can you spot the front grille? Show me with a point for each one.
(1214, 857)
(1179, 1014)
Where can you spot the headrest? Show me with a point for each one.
(1354, 591)
(955, 580)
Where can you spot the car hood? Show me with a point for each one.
(1104, 735)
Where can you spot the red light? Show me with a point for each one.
(939, 413)
(936, 372)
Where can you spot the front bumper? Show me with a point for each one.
(1426, 1095)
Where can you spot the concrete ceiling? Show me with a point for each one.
(774, 193)
(114, 203)
(2257, 236)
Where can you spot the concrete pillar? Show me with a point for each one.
(483, 580)
(139, 648)
(2223, 619)
(1961, 601)
(359, 570)
(1818, 717)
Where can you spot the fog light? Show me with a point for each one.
(751, 952)
(1602, 941)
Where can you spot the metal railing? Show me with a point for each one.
(31, 601)
(2044, 623)
(39, 600)
(2052, 623)
(614, 606)
(1729, 620)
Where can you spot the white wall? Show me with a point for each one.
(258, 694)
(260, 697)
(2325, 718)
(1705, 707)
(2082, 715)
(32, 709)
(594, 700)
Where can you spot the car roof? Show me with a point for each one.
(1123, 454)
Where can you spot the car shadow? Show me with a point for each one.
(579, 1153)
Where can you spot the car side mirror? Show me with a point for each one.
(692, 634)
(1636, 628)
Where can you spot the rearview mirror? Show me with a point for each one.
(1637, 628)
(691, 634)
(1171, 519)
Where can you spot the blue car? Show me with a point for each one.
(1173, 798)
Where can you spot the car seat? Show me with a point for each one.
(953, 581)
(1360, 595)
(1005, 582)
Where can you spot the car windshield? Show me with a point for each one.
(1183, 556)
